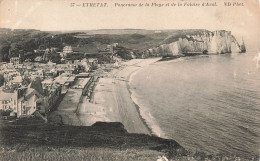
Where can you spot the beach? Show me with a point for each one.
(112, 99)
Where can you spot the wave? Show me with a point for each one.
(144, 112)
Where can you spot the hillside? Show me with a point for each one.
(32, 138)
(23, 42)
(26, 135)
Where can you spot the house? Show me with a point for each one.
(15, 60)
(70, 49)
(8, 101)
(115, 44)
(33, 98)
(54, 49)
(40, 73)
(67, 49)
(65, 68)
(18, 80)
(9, 74)
(19, 66)
(65, 80)
(47, 83)
(63, 55)
(93, 62)
(47, 51)
(84, 63)
(29, 100)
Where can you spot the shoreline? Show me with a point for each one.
(113, 99)
(142, 64)
(136, 105)
(135, 68)
(150, 123)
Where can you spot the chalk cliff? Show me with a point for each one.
(217, 42)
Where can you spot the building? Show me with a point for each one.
(67, 49)
(47, 83)
(82, 75)
(70, 49)
(63, 55)
(29, 100)
(9, 74)
(15, 60)
(18, 80)
(93, 62)
(8, 101)
(84, 63)
(52, 96)
(115, 44)
(54, 49)
(65, 68)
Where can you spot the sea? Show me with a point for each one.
(207, 103)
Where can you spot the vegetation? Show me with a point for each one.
(2, 80)
(19, 42)
(69, 154)
(37, 85)
(32, 139)
(5, 113)
(23, 42)
(124, 53)
(55, 58)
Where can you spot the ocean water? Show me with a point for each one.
(205, 103)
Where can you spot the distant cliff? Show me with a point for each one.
(217, 42)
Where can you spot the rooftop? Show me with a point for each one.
(6, 96)
(17, 79)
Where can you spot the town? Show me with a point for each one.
(40, 71)
(35, 87)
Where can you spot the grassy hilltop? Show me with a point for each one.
(32, 139)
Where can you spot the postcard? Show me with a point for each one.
(129, 80)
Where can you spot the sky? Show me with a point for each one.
(57, 15)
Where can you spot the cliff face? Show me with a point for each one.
(217, 42)
(171, 49)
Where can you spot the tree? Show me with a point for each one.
(4, 52)
(26, 81)
(124, 53)
(2, 80)
(30, 55)
(55, 57)
(37, 85)
(16, 50)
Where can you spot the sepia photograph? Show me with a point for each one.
(128, 80)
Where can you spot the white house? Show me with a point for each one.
(8, 101)
(67, 49)
(15, 60)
